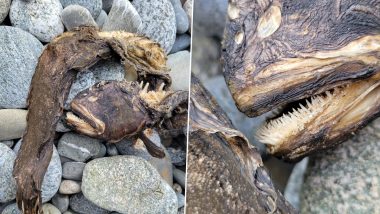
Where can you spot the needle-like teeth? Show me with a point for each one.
(141, 84)
(145, 90)
(161, 87)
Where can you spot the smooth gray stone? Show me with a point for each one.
(69, 187)
(73, 170)
(102, 18)
(50, 209)
(81, 205)
(111, 149)
(158, 21)
(179, 176)
(179, 64)
(62, 127)
(123, 16)
(53, 175)
(19, 52)
(210, 23)
(61, 202)
(181, 200)
(178, 156)
(12, 123)
(103, 70)
(11, 209)
(8, 143)
(181, 43)
(7, 182)
(42, 19)
(107, 4)
(293, 187)
(132, 186)
(75, 16)
(182, 22)
(94, 6)
(79, 147)
(4, 9)
(188, 8)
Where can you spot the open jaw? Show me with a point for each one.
(323, 120)
(83, 121)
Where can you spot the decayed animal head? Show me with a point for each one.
(112, 110)
(321, 54)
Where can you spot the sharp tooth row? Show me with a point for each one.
(278, 130)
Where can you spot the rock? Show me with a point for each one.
(61, 202)
(75, 16)
(52, 178)
(158, 21)
(179, 176)
(62, 127)
(69, 212)
(133, 186)
(73, 170)
(7, 182)
(12, 123)
(69, 187)
(65, 159)
(111, 149)
(103, 70)
(79, 147)
(179, 64)
(181, 43)
(8, 143)
(178, 156)
(107, 4)
(11, 209)
(188, 8)
(293, 187)
(137, 148)
(50, 209)
(4, 9)
(94, 6)
(123, 16)
(102, 18)
(177, 188)
(182, 22)
(210, 24)
(80, 204)
(19, 52)
(345, 179)
(42, 18)
(181, 200)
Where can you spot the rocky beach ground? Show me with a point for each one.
(86, 175)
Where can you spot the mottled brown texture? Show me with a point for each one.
(66, 55)
(276, 53)
(225, 174)
(113, 110)
(264, 72)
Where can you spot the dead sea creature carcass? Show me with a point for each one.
(316, 62)
(56, 70)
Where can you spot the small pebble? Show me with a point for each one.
(179, 64)
(75, 16)
(158, 21)
(80, 148)
(188, 8)
(61, 202)
(94, 6)
(19, 52)
(181, 43)
(4, 9)
(178, 156)
(179, 176)
(42, 18)
(181, 200)
(11, 209)
(69, 187)
(62, 127)
(8, 143)
(12, 123)
(182, 22)
(177, 188)
(111, 149)
(7, 182)
(80, 204)
(73, 170)
(102, 18)
(123, 16)
(50, 209)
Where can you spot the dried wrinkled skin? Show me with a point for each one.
(113, 110)
(66, 55)
(225, 174)
(278, 52)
